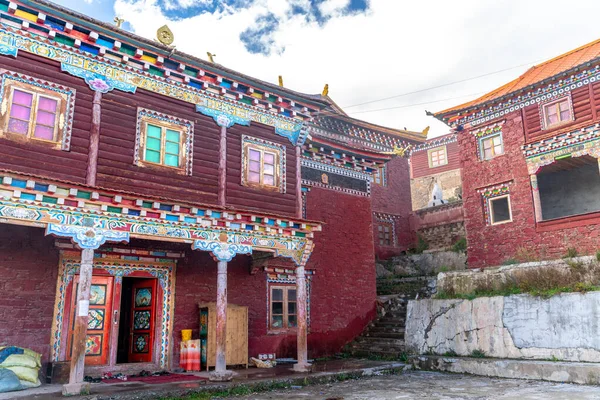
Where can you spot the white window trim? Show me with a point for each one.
(543, 113)
(482, 149)
(491, 211)
(436, 149)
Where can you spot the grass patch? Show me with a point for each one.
(571, 252)
(450, 353)
(460, 246)
(478, 353)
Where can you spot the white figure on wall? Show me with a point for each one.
(437, 196)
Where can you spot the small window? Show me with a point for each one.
(164, 141)
(263, 164)
(384, 232)
(491, 146)
(32, 112)
(379, 177)
(500, 210)
(557, 112)
(283, 307)
(437, 157)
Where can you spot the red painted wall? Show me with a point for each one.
(420, 161)
(28, 273)
(394, 199)
(491, 245)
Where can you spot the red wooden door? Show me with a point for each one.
(100, 311)
(142, 320)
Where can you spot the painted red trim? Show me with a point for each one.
(92, 167)
(569, 222)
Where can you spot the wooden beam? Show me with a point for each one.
(76, 385)
(298, 182)
(90, 178)
(222, 166)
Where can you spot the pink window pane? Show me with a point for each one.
(45, 118)
(44, 132)
(254, 166)
(47, 104)
(20, 112)
(269, 180)
(18, 126)
(269, 158)
(269, 169)
(254, 177)
(488, 153)
(22, 98)
(254, 155)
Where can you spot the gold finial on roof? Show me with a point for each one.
(400, 151)
(210, 56)
(280, 80)
(119, 21)
(165, 36)
(325, 90)
(426, 131)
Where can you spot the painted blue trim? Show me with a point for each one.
(97, 82)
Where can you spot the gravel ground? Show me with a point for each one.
(433, 385)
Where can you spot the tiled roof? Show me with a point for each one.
(535, 74)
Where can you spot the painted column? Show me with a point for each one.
(537, 203)
(88, 239)
(222, 253)
(222, 165)
(302, 329)
(92, 166)
(298, 182)
(76, 384)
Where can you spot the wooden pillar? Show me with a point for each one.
(220, 373)
(90, 178)
(76, 384)
(222, 165)
(302, 365)
(537, 203)
(298, 182)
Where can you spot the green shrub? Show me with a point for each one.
(571, 252)
(422, 245)
(478, 353)
(460, 246)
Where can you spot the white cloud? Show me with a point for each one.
(394, 48)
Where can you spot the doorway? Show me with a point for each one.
(137, 320)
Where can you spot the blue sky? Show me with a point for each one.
(368, 50)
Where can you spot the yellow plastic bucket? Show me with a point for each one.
(186, 334)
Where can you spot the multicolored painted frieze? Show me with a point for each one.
(335, 178)
(222, 251)
(433, 143)
(106, 75)
(584, 141)
(87, 237)
(38, 202)
(69, 267)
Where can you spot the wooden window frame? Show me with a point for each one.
(381, 230)
(379, 176)
(491, 209)
(555, 103)
(437, 150)
(62, 100)
(262, 149)
(285, 302)
(482, 147)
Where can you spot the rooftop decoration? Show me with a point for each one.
(165, 36)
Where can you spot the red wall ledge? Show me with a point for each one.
(573, 221)
(437, 216)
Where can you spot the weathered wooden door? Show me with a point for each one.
(142, 320)
(99, 322)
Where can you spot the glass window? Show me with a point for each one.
(438, 157)
(492, 146)
(262, 167)
(33, 114)
(557, 112)
(384, 233)
(379, 176)
(163, 145)
(499, 210)
(283, 307)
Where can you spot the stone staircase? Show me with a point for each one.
(384, 336)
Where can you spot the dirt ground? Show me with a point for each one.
(432, 385)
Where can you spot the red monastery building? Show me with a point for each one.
(138, 183)
(529, 152)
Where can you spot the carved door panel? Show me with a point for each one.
(142, 320)
(99, 321)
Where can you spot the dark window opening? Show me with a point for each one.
(500, 210)
(569, 187)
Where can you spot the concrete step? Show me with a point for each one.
(375, 340)
(364, 352)
(401, 322)
(375, 330)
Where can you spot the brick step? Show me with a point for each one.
(366, 352)
(376, 340)
(384, 329)
(385, 334)
(390, 322)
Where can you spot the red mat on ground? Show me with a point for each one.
(157, 379)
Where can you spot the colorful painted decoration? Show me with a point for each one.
(98, 295)
(143, 297)
(141, 320)
(222, 251)
(87, 237)
(93, 345)
(140, 343)
(96, 319)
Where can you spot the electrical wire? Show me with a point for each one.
(416, 104)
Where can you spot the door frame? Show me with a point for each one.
(111, 265)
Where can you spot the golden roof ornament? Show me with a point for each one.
(400, 151)
(325, 90)
(210, 56)
(426, 131)
(119, 21)
(165, 35)
(280, 80)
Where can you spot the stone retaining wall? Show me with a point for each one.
(564, 327)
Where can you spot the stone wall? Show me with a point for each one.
(564, 327)
(420, 188)
(440, 226)
(443, 236)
